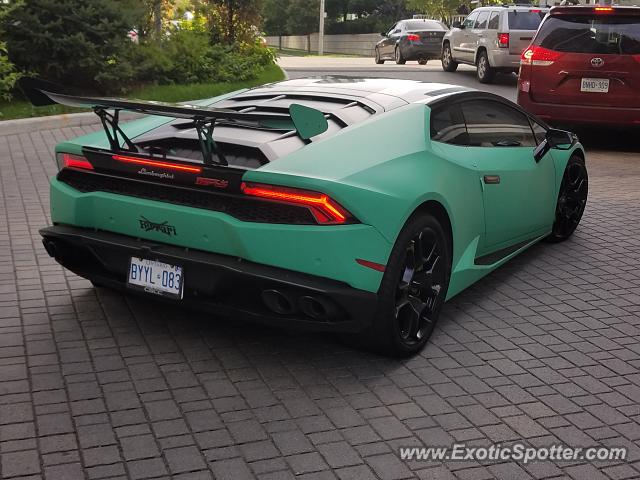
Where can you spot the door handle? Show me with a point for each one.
(492, 179)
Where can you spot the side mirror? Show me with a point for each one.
(457, 24)
(558, 139)
(384, 34)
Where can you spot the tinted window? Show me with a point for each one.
(494, 21)
(470, 20)
(482, 20)
(492, 124)
(447, 126)
(424, 25)
(601, 34)
(525, 20)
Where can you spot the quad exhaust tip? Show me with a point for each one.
(283, 303)
(278, 302)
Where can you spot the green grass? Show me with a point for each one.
(162, 93)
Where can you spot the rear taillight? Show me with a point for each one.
(68, 160)
(503, 40)
(325, 210)
(603, 9)
(636, 58)
(538, 56)
(413, 38)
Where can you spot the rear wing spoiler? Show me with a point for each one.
(305, 121)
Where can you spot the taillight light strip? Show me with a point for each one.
(325, 210)
(158, 164)
(69, 160)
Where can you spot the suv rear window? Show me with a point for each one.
(525, 20)
(591, 34)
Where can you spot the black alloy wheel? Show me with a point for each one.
(572, 199)
(420, 287)
(412, 291)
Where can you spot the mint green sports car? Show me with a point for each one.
(352, 205)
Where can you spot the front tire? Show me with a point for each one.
(448, 63)
(485, 71)
(378, 60)
(572, 200)
(400, 60)
(412, 291)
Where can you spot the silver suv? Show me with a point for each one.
(491, 38)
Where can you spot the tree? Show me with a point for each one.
(238, 16)
(443, 9)
(274, 14)
(72, 41)
(303, 17)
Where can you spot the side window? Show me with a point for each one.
(494, 21)
(447, 125)
(493, 124)
(538, 131)
(470, 20)
(481, 22)
(392, 30)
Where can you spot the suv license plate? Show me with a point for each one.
(595, 85)
(155, 277)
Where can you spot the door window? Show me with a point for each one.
(447, 125)
(494, 21)
(481, 22)
(494, 124)
(538, 131)
(470, 20)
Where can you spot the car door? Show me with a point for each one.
(389, 43)
(462, 47)
(518, 192)
(478, 31)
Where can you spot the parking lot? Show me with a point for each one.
(95, 384)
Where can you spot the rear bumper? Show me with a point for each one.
(501, 58)
(215, 283)
(580, 114)
(427, 51)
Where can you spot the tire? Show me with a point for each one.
(398, 329)
(572, 199)
(422, 61)
(448, 63)
(486, 72)
(378, 60)
(400, 60)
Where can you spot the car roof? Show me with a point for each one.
(508, 8)
(387, 93)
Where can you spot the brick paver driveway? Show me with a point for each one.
(94, 384)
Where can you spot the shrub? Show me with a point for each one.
(8, 74)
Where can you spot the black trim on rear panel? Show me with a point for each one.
(498, 255)
(219, 284)
(241, 207)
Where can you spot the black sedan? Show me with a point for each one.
(414, 39)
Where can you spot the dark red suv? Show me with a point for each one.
(583, 66)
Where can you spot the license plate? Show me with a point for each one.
(155, 277)
(596, 85)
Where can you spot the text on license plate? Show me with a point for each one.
(597, 85)
(155, 277)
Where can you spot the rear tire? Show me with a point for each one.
(448, 63)
(572, 199)
(412, 291)
(486, 72)
(400, 60)
(378, 60)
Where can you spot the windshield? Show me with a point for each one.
(525, 20)
(591, 34)
(424, 25)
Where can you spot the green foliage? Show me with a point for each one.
(444, 9)
(72, 41)
(274, 14)
(303, 17)
(187, 57)
(8, 74)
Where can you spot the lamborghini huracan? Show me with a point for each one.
(352, 205)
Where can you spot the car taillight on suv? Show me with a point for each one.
(582, 66)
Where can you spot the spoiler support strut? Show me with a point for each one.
(113, 130)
